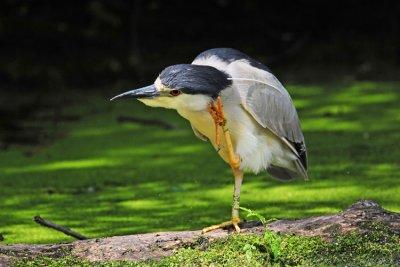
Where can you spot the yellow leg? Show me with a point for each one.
(235, 219)
(234, 161)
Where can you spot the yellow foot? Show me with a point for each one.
(234, 222)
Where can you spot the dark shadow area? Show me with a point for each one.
(92, 43)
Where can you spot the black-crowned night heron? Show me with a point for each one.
(237, 104)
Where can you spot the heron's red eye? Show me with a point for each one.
(175, 92)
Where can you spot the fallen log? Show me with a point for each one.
(157, 245)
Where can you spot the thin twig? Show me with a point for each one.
(57, 227)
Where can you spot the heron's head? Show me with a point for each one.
(182, 86)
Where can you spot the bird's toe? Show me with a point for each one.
(234, 222)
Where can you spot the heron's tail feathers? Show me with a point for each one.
(301, 170)
(285, 174)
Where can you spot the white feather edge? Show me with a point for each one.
(254, 80)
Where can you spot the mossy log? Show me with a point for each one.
(157, 245)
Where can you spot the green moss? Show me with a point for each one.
(47, 261)
(377, 246)
(246, 250)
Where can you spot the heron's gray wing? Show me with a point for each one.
(273, 110)
(271, 106)
(199, 134)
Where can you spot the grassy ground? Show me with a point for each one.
(106, 178)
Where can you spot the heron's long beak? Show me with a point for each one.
(144, 92)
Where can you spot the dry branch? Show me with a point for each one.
(157, 245)
(59, 228)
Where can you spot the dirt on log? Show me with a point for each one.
(157, 245)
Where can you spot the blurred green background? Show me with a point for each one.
(103, 177)
(105, 169)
